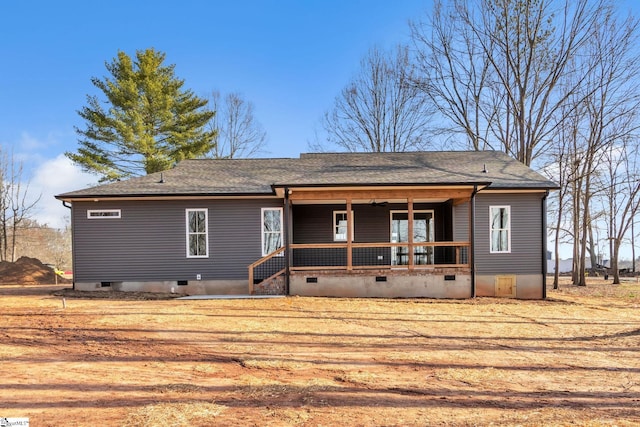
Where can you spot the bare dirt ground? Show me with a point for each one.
(571, 360)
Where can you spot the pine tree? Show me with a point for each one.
(147, 124)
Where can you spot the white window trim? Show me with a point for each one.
(92, 211)
(206, 230)
(508, 208)
(353, 233)
(262, 232)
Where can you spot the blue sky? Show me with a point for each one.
(290, 58)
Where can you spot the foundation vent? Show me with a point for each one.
(183, 282)
(312, 280)
(381, 278)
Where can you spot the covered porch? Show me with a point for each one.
(361, 242)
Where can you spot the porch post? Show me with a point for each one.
(410, 224)
(544, 245)
(472, 240)
(287, 240)
(349, 235)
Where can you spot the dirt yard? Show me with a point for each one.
(571, 360)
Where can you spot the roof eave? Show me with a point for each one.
(72, 197)
(523, 188)
(387, 184)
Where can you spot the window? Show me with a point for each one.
(423, 231)
(103, 213)
(500, 217)
(271, 230)
(197, 233)
(340, 226)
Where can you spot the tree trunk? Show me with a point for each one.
(575, 265)
(614, 262)
(14, 231)
(556, 273)
(593, 254)
(633, 245)
(583, 234)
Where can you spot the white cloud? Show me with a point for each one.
(52, 177)
(30, 150)
(29, 143)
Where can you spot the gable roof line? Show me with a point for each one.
(389, 184)
(262, 176)
(164, 196)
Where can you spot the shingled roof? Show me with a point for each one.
(261, 176)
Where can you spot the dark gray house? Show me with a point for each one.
(321, 225)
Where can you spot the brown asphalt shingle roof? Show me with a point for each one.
(259, 176)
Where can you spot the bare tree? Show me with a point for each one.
(494, 67)
(453, 72)
(49, 245)
(15, 207)
(239, 135)
(59, 247)
(379, 110)
(5, 198)
(561, 169)
(604, 117)
(623, 179)
(573, 164)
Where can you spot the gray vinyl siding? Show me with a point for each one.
(461, 222)
(149, 241)
(526, 234)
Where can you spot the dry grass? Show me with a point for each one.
(570, 360)
(175, 414)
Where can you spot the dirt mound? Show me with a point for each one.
(28, 271)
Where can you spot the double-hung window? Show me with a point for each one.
(340, 226)
(197, 233)
(271, 230)
(500, 218)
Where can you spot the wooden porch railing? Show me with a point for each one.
(416, 255)
(335, 256)
(260, 262)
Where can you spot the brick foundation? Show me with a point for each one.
(275, 286)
